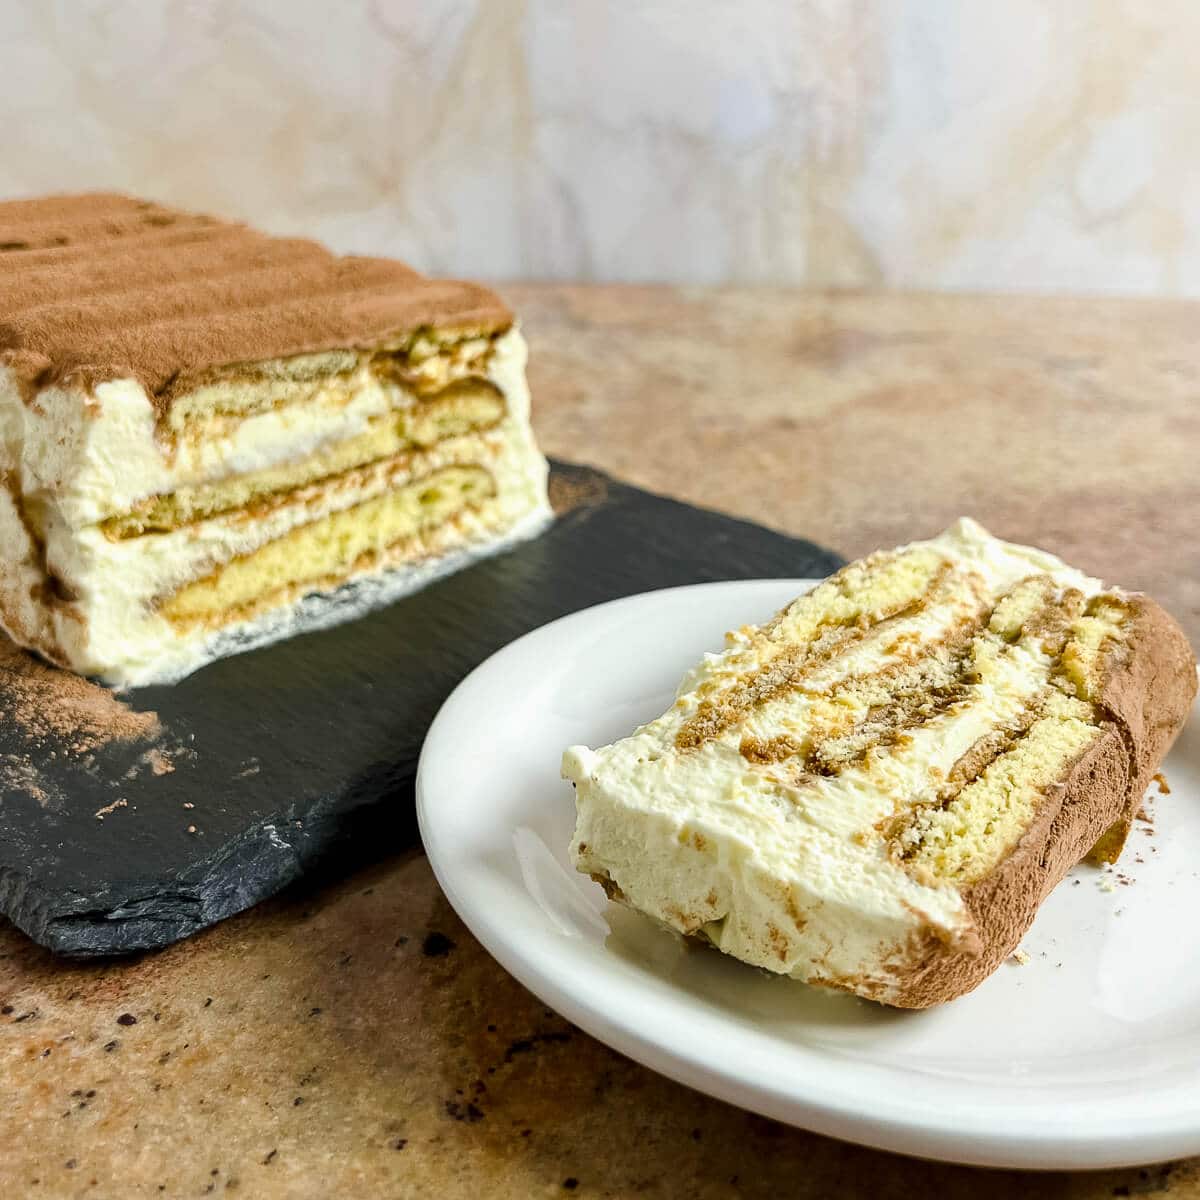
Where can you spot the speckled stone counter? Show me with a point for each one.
(354, 1040)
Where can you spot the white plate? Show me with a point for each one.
(1087, 1056)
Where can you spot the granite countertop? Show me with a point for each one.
(354, 1039)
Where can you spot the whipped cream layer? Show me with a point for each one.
(767, 809)
(95, 602)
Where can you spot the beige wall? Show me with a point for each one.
(1030, 144)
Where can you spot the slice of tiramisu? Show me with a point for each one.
(876, 789)
(212, 438)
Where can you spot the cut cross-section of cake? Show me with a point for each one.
(876, 789)
(211, 438)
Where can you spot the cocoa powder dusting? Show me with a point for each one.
(570, 493)
(18, 775)
(159, 763)
(210, 294)
(46, 702)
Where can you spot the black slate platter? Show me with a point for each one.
(300, 757)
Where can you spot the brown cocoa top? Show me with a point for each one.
(101, 286)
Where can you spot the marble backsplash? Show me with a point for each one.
(1034, 145)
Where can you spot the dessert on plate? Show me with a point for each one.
(875, 790)
(212, 438)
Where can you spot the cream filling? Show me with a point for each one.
(793, 875)
(98, 459)
(101, 465)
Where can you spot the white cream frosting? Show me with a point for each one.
(790, 877)
(81, 464)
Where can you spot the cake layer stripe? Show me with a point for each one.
(323, 552)
(875, 711)
(965, 837)
(972, 819)
(880, 601)
(978, 817)
(916, 699)
(420, 365)
(466, 406)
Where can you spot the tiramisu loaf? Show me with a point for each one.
(876, 789)
(207, 433)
